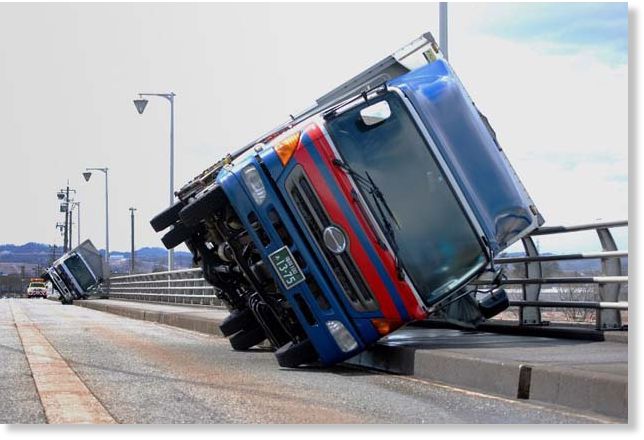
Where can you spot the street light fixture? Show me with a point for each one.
(87, 175)
(140, 105)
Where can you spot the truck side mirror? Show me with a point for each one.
(375, 114)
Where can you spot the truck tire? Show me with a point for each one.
(247, 338)
(237, 321)
(293, 355)
(201, 207)
(167, 217)
(175, 236)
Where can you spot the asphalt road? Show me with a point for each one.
(142, 372)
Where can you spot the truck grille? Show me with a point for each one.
(316, 219)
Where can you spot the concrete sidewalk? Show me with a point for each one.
(581, 374)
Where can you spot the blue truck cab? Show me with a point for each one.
(368, 211)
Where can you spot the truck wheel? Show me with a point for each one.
(66, 301)
(200, 208)
(175, 236)
(237, 321)
(248, 338)
(167, 217)
(293, 355)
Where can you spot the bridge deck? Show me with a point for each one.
(143, 372)
(582, 374)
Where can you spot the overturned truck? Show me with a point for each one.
(376, 207)
(77, 274)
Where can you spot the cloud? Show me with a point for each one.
(600, 29)
(562, 119)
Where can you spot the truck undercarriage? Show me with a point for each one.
(223, 248)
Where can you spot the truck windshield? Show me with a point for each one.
(79, 270)
(437, 245)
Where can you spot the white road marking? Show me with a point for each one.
(64, 397)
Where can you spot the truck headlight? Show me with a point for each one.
(254, 184)
(342, 337)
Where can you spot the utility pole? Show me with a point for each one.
(132, 248)
(66, 236)
(63, 196)
(70, 207)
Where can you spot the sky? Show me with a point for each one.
(551, 78)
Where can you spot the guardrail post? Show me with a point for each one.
(598, 318)
(611, 266)
(531, 315)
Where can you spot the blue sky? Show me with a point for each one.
(599, 28)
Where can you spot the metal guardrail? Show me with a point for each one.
(189, 287)
(176, 287)
(609, 284)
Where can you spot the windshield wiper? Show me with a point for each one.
(381, 205)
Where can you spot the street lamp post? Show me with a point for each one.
(442, 28)
(61, 227)
(87, 174)
(78, 231)
(140, 105)
(132, 249)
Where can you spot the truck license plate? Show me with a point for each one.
(286, 267)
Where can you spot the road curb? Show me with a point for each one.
(621, 337)
(601, 393)
(501, 378)
(592, 391)
(181, 320)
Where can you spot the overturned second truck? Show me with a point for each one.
(376, 207)
(77, 274)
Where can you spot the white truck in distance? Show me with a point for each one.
(77, 274)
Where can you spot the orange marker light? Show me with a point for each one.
(287, 147)
(385, 326)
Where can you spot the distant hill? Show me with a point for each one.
(33, 254)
